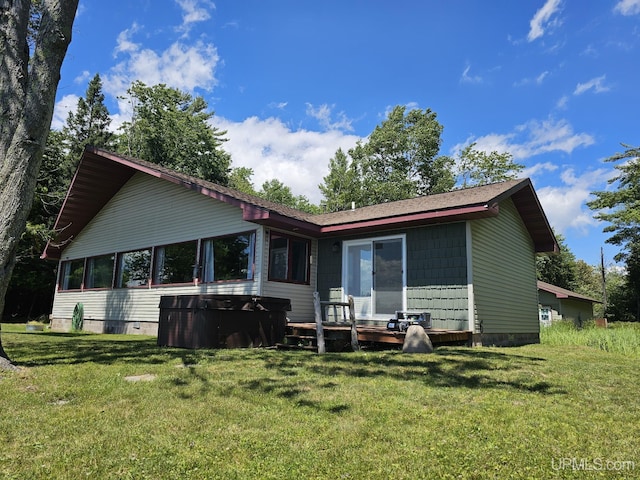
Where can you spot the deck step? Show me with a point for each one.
(288, 346)
(300, 337)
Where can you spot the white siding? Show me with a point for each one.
(149, 212)
(504, 274)
(301, 296)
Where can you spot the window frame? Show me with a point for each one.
(87, 268)
(204, 263)
(117, 283)
(157, 255)
(63, 280)
(290, 259)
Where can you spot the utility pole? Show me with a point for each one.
(604, 284)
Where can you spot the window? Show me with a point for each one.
(99, 272)
(228, 258)
(288, 259)
(71, 274)
(133, 268)
(175, 263)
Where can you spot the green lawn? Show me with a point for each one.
(540, 411)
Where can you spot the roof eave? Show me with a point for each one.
(423, 218)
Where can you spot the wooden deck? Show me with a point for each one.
(338, 335)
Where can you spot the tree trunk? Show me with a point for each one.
(28, 85)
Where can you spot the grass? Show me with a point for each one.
(540, 411)
(619, 337)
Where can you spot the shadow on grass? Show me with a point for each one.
(54, 348)
(290, 374)
(454, 368)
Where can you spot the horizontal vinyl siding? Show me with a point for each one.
(504, 274)
(150, 212)
(301, 296)
(135, 304)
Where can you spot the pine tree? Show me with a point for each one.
(89, 124)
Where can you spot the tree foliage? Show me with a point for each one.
(171, 128)
(30, 64)
(476, 167)
(398, 160)
(89, 124)
(620, 208)
(558, 269)
(276, 191)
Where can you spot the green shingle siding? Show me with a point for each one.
(436, 273)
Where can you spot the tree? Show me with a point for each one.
(33, 281)
(89, 124)
(342, 185)
(29, 76)
(476, 167)
(399, 160)
(171, 128)
(240, 179)
(620, 207)
(558, 269)
(277, 192)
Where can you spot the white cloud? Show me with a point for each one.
(595, 84)
(82, 78)
(538, 80)
(193, 11)
(299, 159)
(543, 19)
(466, 78)
(565, 204)
(180, 65)
(538, 169)
(61, 110)
(533, 138)
(124, 43)
(627, 7)
(323, 114)
(562, 102)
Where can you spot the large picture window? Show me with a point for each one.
(174, 263)
(228, 258)
(288, 259)
(71, 274)
(134, 269)
(99, 272)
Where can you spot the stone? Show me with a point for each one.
(417, 341)
(147, 377)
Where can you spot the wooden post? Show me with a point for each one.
(354, 330)
(319, 329)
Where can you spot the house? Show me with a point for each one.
(130, 231)
(561, 304)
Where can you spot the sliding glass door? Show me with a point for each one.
(373, 273)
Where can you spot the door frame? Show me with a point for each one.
(371, 241)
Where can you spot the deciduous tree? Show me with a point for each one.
(29, 75)
(476, 167)
(398, 160)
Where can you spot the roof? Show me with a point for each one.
(101, 174)
(564, 293)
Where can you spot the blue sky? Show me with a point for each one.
(553, 82)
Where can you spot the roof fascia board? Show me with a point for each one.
(440, 215)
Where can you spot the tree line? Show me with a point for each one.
(400, 159)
